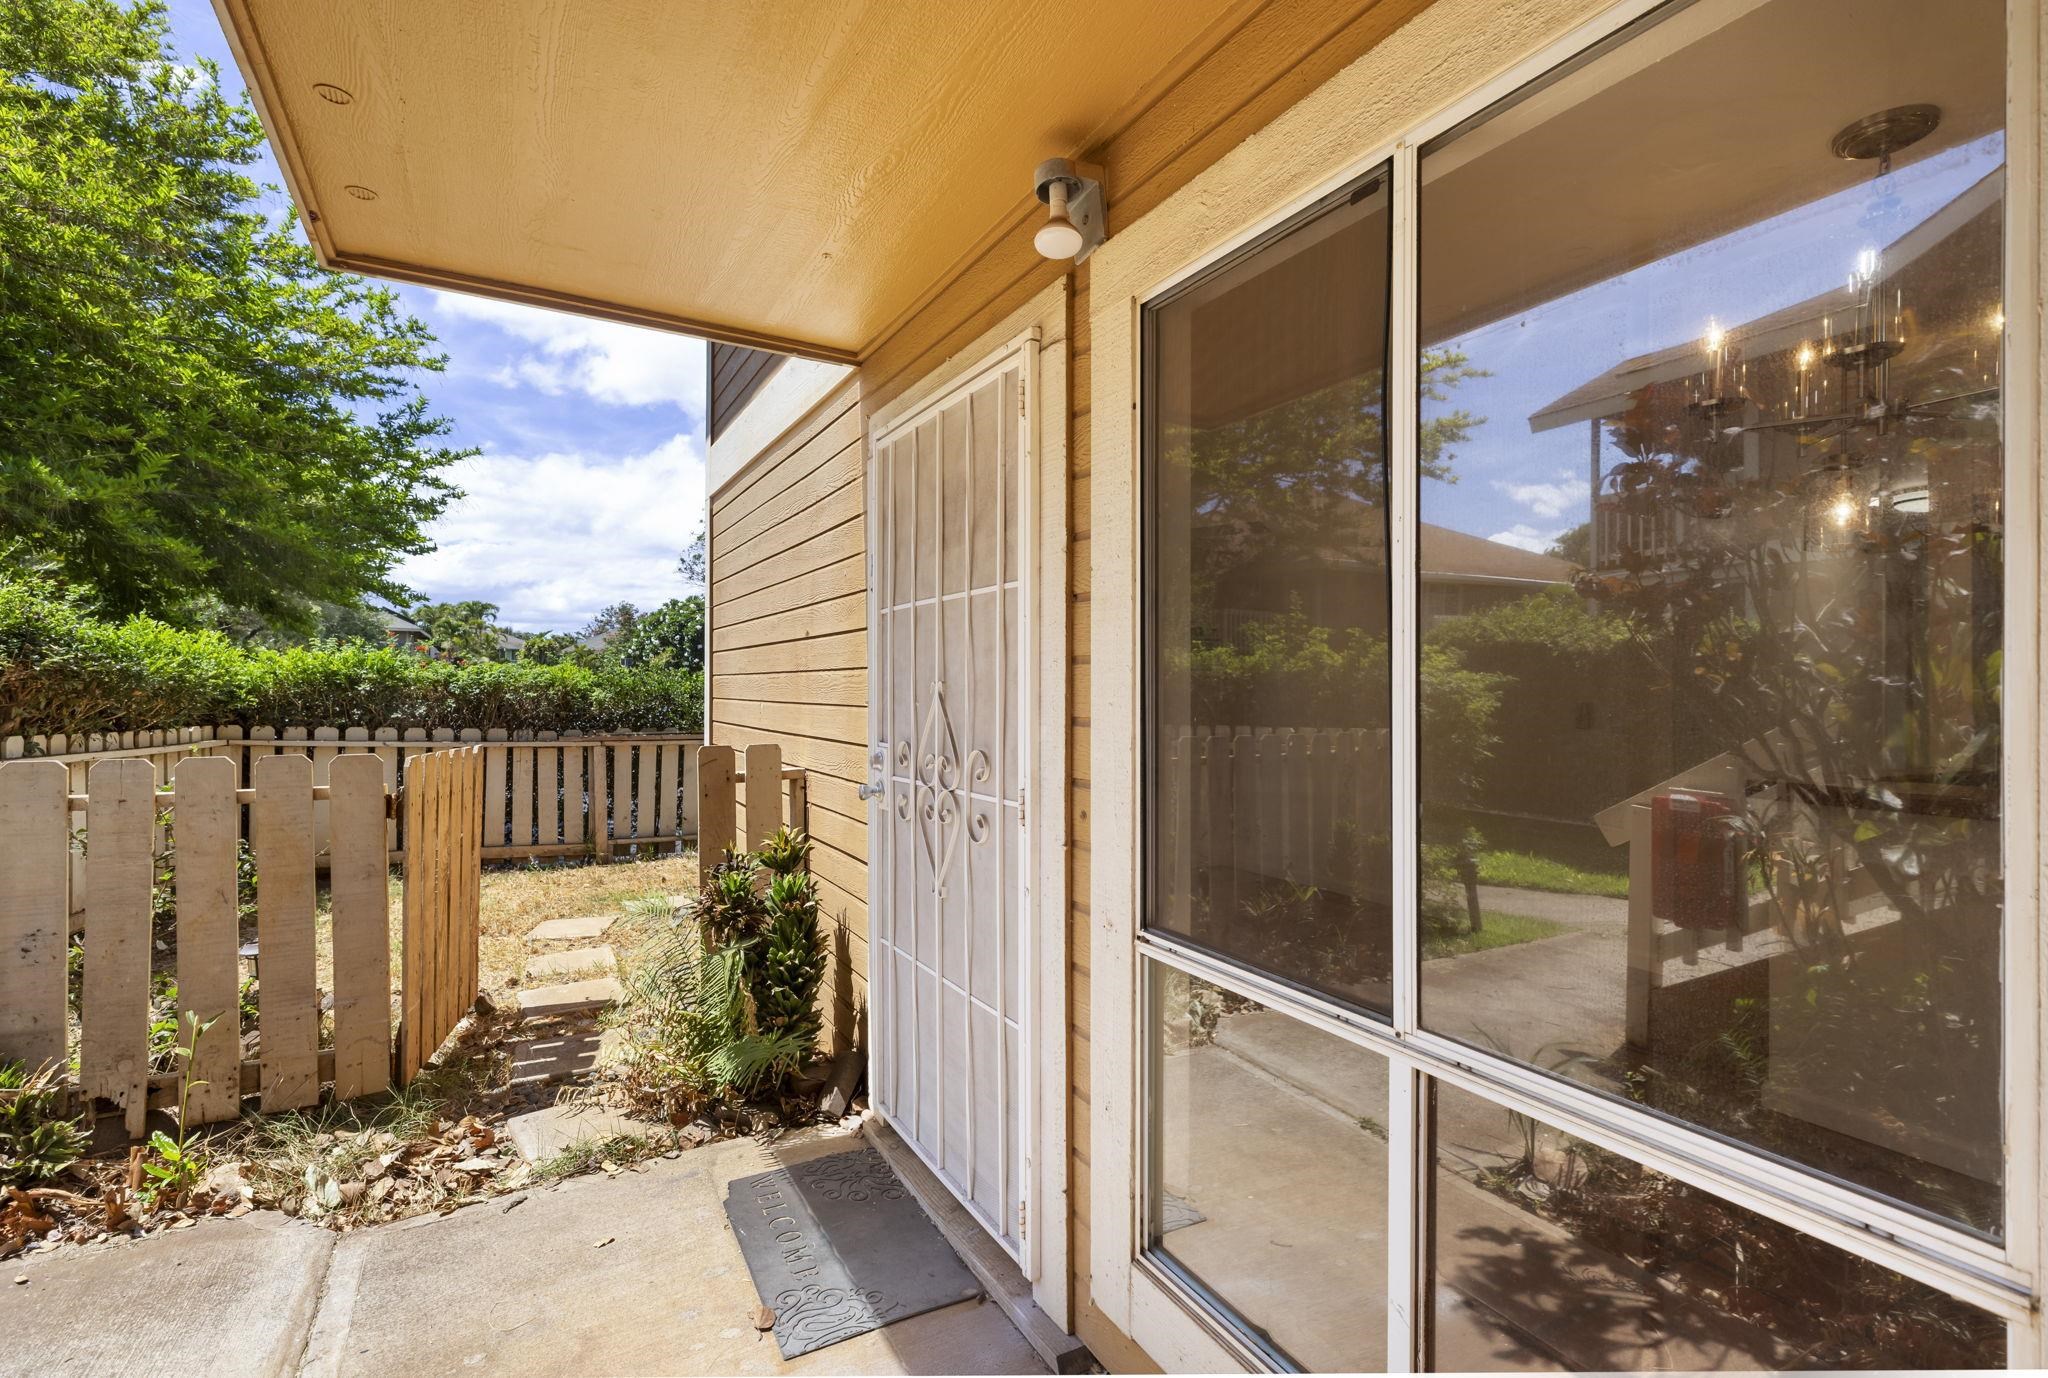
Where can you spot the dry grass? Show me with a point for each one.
(515, 899)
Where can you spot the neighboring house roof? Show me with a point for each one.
(396, 624)
(1465, 558)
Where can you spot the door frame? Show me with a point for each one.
(1035, 337)
(1466, 50)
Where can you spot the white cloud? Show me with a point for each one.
(552, 538)
(1545, 501)
(1527, 538)
(620, 365)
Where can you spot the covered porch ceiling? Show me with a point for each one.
(805, 177)
(785, 175)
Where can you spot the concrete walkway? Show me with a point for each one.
(634, 1274)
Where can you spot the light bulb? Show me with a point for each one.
(1057, 237)
(1843, 511)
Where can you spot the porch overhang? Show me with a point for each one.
(791, 177)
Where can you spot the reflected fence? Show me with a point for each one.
(1245, 808)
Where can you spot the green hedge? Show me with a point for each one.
(64, 670)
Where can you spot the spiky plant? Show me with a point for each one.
(786, 851)
(729, 907)
(791, 964)
(37, 1139)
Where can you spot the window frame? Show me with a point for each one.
(1170, 1320)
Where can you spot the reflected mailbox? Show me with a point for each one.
(1696, 865)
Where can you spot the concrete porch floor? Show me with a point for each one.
(498, 1288)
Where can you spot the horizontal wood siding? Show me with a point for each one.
(789, 660)
(736, 374)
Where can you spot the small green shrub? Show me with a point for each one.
(38, 1141)
(730, 907)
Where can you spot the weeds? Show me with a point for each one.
(173, 1166)
(592, 1155)
(38, 1141)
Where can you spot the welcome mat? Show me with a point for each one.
(839, 1247)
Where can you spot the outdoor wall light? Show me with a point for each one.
(1075, 224)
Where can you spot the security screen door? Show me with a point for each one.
(949, 755)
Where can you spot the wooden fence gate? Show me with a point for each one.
(134, 833)
(444, 801)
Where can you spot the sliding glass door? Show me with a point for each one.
(1573, 924)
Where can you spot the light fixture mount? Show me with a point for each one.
(1078, 221)
(1881, 135)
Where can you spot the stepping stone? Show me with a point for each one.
(541, 1134)
(571, 997)
(571, 930)
(553, 1057)
(582, 961)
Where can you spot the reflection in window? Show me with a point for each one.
(1269, 598)
(1546, 1252)
(1269, 1179)
(1711, 798)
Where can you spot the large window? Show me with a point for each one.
(1574, 921)
(1269, 603)
(1729, 762)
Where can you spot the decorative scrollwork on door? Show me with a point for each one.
(938, 787)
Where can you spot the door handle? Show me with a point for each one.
(873, 786)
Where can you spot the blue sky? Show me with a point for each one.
(591, 479)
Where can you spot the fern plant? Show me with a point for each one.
(38, 1140)
(692, 1034)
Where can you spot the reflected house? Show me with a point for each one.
(1855, 500)
(1333, 584)
(1777, 386)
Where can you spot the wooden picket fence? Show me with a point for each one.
(122, 848)
(1244, 807)
(544, 794)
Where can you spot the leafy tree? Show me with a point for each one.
(333, 623)
(464, 631)
(695, 563)
(554, 648)
(189, 404)
(671, 635)
(1306, 479)
(615, 621)
(1574, 546)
